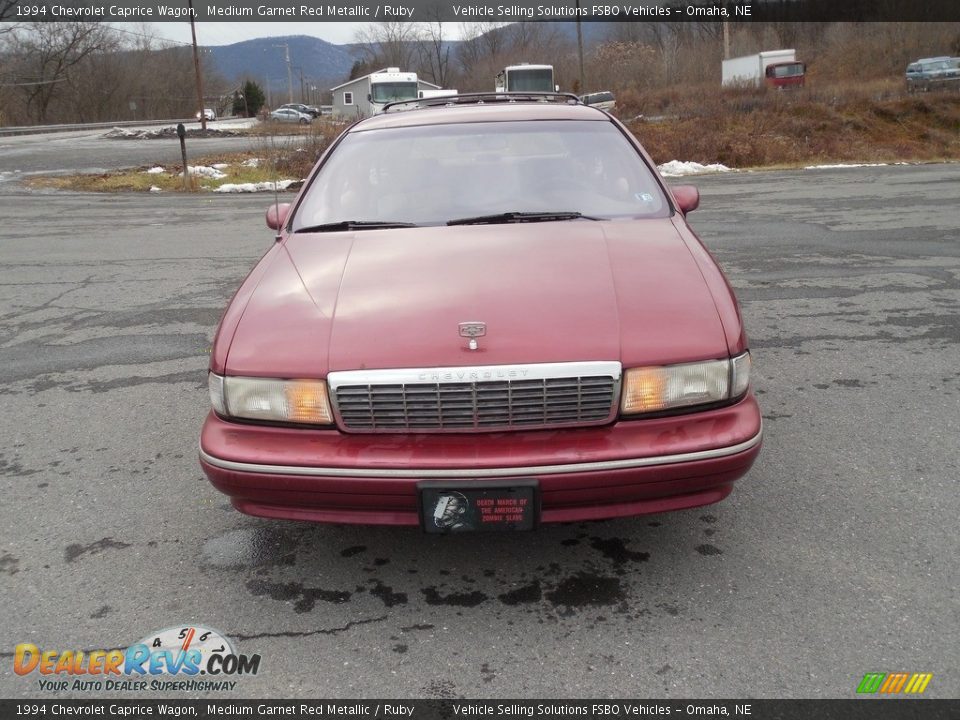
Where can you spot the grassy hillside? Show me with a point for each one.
(762, 128)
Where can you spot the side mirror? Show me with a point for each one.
(276, 214)
(369, 97)
(687, 197)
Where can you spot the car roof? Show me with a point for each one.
(481, 112)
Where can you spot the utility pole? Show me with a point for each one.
(583, 88)
(303, 92)
(196, 67)
(286, 49)
(726, 41)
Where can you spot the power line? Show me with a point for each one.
(149, 37)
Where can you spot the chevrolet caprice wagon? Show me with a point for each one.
(481, 313)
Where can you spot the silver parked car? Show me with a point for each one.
(289, 115)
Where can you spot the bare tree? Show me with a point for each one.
(7, 13)
(47, 54)
(434, 53)
(388, 44)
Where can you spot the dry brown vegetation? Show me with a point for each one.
(836, 123)
(295, 155)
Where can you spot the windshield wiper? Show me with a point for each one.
(520, 217)
(355, 225)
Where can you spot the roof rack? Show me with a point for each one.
(482, 98)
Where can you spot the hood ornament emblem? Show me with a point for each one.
(473, 330)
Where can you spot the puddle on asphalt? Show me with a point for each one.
(249, 547)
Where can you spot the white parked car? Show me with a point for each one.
(208, 114)
(289, 115)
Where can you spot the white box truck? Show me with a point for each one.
(773, 68)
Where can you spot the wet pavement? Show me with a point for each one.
(834, 557)
(91, 151)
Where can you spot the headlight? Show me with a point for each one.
(657, 389)
(288, 401)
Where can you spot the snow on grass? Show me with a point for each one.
(155, 170)
(235, 123)
(252, 163)
(154, 188)
(206, 171)
(679, 168)
(254, 187)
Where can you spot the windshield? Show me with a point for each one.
(393, 91)
(527, 80)
(433, 174)
(782, 71)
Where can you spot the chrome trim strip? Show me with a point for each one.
(485, 472)
(472, 373)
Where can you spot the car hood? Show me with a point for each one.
(547, 292)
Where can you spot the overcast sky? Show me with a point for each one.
(227, 33)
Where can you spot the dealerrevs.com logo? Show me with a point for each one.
(189, 658)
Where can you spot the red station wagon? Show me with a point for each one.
(481, 312)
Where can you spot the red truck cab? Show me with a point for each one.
(785, 74)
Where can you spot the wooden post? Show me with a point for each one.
(182, 134)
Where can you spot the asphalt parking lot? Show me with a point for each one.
(835, 556)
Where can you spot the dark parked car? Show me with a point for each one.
(482, 315)
(932, 73)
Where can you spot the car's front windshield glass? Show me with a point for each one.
(788, 70)
(432, 174)
(393, 91)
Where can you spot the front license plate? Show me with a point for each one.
(478, 506)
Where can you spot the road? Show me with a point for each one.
(835, 556)
(91, 151)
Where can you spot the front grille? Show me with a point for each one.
(450, 405)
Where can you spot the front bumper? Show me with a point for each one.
(628, 468)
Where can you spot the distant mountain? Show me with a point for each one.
(325, 65)
(263, 60)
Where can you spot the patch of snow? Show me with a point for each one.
(155, 170)
(119, 132)
(220, 166)
(154, 188)
(679, 168)
(252, 162)
(205, 171)
(234, 123)
(253, 187)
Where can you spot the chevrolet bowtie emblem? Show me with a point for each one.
(472, 330)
